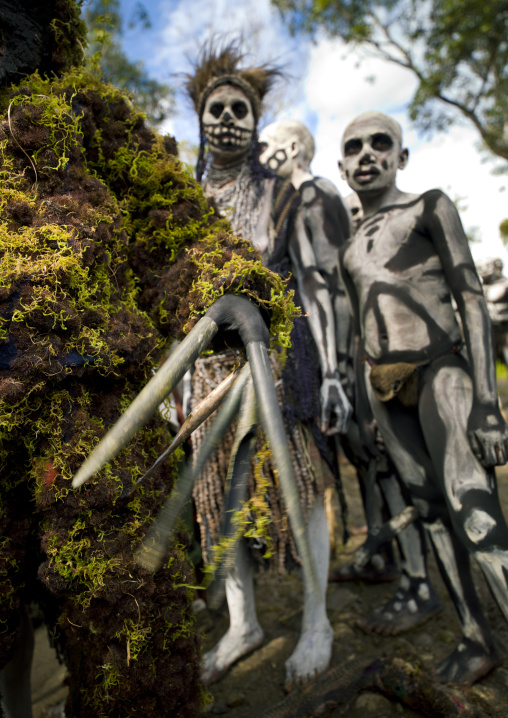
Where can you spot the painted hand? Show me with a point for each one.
(336, 411)
(488, 435)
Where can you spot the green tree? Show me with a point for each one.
(105, 32)
(457, 49)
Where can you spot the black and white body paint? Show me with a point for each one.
(244, 192)
(322, 225)
(409, 257)
(355, 208)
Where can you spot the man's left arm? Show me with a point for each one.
(329, 226)
(487, 430)
(317, 305)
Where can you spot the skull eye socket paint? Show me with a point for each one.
(240, 109)
(380, 141)
(217, 109)
(352, 147)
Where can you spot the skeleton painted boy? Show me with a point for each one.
(436, 405)
(323, 226)
(260, 207)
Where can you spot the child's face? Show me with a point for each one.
(277, 146)
(371, 155)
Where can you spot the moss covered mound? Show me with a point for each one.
(107, 248)
(48, 35)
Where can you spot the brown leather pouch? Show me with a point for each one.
(395, 380)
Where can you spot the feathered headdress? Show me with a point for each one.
(219, 65)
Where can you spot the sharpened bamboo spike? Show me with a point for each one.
(272, 422)
(237, 484)
(154, 546)
(149, 398)
(193, 421)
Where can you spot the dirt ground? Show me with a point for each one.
(255, 684)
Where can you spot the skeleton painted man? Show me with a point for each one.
(323, 226)
(435, 403)
(260, 208)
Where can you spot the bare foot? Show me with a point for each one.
(407, 609)
(232, 646)
(469, 662)
(311, 656)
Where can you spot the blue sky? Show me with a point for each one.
(329, 85)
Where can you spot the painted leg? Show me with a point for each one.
(475, 655)
(382, 566)
(411, 541)
(474, 521)
(15, 676)
(314, 648)
(244, 634)
(494, 564)
(415, 600)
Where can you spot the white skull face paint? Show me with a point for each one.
(372, 154)
(228, 123)
(275, 145)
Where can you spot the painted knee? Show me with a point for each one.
(480, 522)
(478, 525)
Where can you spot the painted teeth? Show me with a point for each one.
(229, 136)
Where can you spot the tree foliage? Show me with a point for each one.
(457, 49)
(105, 32)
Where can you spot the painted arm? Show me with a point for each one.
(363, 412)
(329, 226)
(487, 430)
(317, 304)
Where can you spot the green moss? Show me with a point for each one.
(97, 219)
(242, 274)
(99, 696)
(86, 571)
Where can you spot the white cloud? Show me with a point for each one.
(185, 26)
(337, 91)
(341, 82)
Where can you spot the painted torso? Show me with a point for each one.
(328, 225)
(403, 296)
